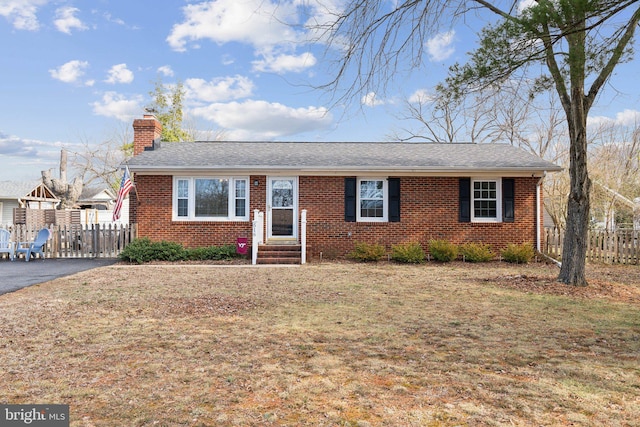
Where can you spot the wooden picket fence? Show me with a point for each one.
(610, 247)
(80, 241)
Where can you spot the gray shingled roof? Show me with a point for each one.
(17, 189)
(89, 193)
(343, 157)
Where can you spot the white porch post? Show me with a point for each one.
(303, 236)
(258, 234)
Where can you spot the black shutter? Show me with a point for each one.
(394, 199)
(465, 200)
(350, 199)
(508, 199)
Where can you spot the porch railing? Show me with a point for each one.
(258, 235)
(259, 230)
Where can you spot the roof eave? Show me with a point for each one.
(537, 171)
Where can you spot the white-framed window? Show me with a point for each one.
(210, 198)
(486, 200)
(372, 200)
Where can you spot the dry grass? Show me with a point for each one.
(334, 344)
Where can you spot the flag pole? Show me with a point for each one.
(133, 183)
(126, 184)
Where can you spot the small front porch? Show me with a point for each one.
(278, 250)
(279, 254)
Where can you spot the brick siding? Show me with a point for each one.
(429, 210)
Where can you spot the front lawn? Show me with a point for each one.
(331, 344)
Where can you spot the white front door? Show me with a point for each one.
(282, 203)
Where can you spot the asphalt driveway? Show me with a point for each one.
(18, 274)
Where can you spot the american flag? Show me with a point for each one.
(125, 186)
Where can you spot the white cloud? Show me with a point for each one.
(66, 20)
(257, 120)
(599, 120)
(322, 15)
(30, 156)
(119, 74)
(110, 18)
(623, 118)
(440, 46)
(260, 23)
(117, 105)
(11, 145)
(285, 63)
(628, 117)
(166, 71)
(219, 89)
(525, 4)
(22, 13)
(420, 96)
(70, 72)
(371, 100)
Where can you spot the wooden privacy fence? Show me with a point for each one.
(41, 217)
(78, 241)
(611, 247)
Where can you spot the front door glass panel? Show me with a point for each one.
(282, 207)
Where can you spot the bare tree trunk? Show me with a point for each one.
(576, 106)
(68, 193)
(574, 252)
(63, 166)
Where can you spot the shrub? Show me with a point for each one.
(168, 251)
(367, 252)
(443, 251)
(408, 252)
(138, 251)
(225, 252)
(476, 252)
(144, 250)
(519, 254)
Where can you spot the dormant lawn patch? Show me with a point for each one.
(334, 344)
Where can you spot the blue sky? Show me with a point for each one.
(76, 72)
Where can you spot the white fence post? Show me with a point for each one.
(257, 235)
(303, 236)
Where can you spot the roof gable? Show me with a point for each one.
(26, 190)
(96, 194)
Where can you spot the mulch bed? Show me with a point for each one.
(597, 288)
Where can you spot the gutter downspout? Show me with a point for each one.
(538, 213)
(538, 218)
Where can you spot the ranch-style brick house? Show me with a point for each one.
(326, 196)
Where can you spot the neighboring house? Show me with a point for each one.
(205, 193)
(29, 194)
(608, 206)
(96, 198)
(96, 205)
